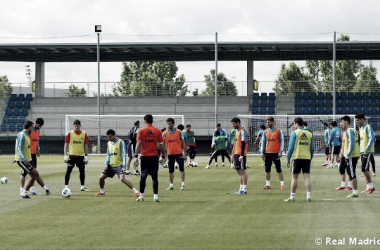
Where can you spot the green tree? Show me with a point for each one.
(5, 86)
(367, 80)
(75, 91)
(225, 86)
(150, 79)
(291, 79)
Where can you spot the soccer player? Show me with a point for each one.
(75, 151)
(231, 140)
(334, 139)
(260, 136)
(115, 163)
(349, 156)
(34, 137)
(191, 145)
(180, 127)
(131, 147)
(271, 151)
(367, 149)
(300, 151)
(222, 133)
(239, 153)
(176, 150)
(147, 138)
(306, 127)
(220, 149)
(327, 132)
(23, 158)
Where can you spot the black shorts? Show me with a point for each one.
(176, 158)
(365, 162)
(191, 149)
(111, 171)
(299, 165)
(351, 167)
(335, 150)
(34, 160)
(240, 164)
(269, 158)
(76, 161)
(131, 150)
(25, 168)
(327, 150)
(149, 165)
(342, 165)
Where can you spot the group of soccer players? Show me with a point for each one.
(345, 145)
(149, 142)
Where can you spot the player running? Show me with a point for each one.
(220, 149)
(191, 145)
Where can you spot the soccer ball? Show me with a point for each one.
(195, 164)
(4, 180)
(66, 192)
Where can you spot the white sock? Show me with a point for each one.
(370, 185)
(241, 187)
(308, 195)
(45, 187)
(23, 193)
(338, 164)
(355, 191)
(31, 189)
(171, 185)
(292, 195)
(66, 186)
(244, 187)
(81, 186)
(350, 184)
(282, 183)
(141, 195)
(102, 190)
(21, 189)
(183, 183)
(267, 183)
(135, 190)
(343, 184)
(155, 196)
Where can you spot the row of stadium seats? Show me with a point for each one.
(16, 112)
(339, 95)
(264, 103)
(316, 110)
(21, 97)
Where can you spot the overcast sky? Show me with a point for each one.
(178, 20)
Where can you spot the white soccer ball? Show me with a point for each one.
(4, 180)
(195, 164)
(66, 192)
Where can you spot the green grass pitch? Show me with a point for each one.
(207, 215)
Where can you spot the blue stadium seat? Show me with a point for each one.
(264, 96)
(338, 110)
(298, 110)
(22, 119)
(263, 111)
(305, 103)
(350, 95)
(320, 96)
(329, 110)
(11, 104)
(19, 104)
(313, 103)
(313, 110)
(350, 110)
(373, 96)
(298, 96)
(272, 96)
(255, 103)
(313, 96)
(321, 103)
(328, 103)
(24, 112)
(366, 102)
(305, 95)
(328, 96)
(298, 103)
(306, 111)
(365, 95)
(6, 119)
(19, 126)
(16, 112)
(366, 111)
(271, 111)
(321, 110)
(272, 103)
(27, 104)
(375, 126)
(8, 112)
(374, 111)
(358, 96)
(29, 97)
(12, 127)
(13, 119)
(4, 127)
(13, 97)
(255, 111)
(21, 97)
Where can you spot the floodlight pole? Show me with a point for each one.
(216, 77)
(98, 29)
(334, 73)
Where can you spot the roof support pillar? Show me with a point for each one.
(250, 82)
(40, 79)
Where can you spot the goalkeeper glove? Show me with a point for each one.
(85, 159)
(66, 159)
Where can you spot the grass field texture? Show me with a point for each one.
(207, 215)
